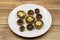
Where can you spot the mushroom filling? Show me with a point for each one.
(30, 27)
(20, 22)
(21, 14)
(30, 12)
(30, 19)
(38, 24)
(22, 28)
(37, 11)
(39, 16)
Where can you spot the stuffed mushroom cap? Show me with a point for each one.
(20, 22)
(22, 28)
(21, 14)
(38, 24)
(30, 27)
(37, 11)
(30, 12)
(38, 16)
(30, 19)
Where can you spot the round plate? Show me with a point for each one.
(12, 21)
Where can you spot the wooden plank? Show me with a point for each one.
(55, 16)
(4, 20)
(7, 34)
(8, 0)
(15, 0)
(46, 1)
(6, 6)
(12, 5)
(4, 13)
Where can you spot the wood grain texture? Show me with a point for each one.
(12, 5)
(7, 34)
(6, 6)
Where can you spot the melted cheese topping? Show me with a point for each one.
(38, 23)
(29, 19)
(21, 14)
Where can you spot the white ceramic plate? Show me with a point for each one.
(47, 19)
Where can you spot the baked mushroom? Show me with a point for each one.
(38, 16)
(30, 27)
(20, 22)
(21, 14)
(30, 19)
(37, 11)
(30, 12)
(22, 28)
(38, 24)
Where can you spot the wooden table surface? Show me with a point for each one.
(6, 6)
